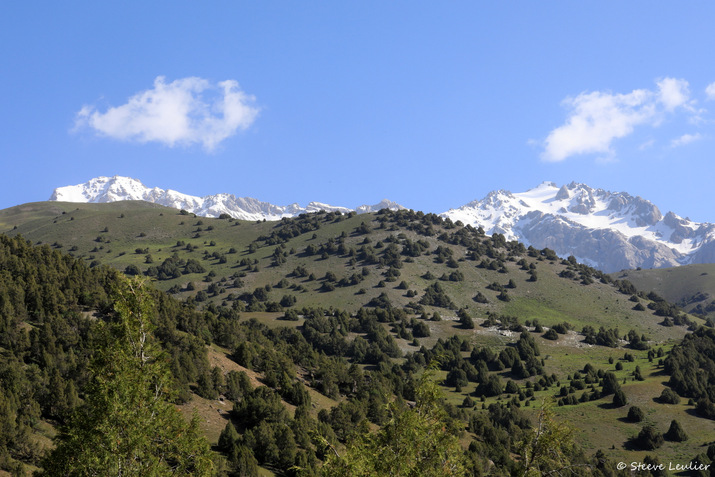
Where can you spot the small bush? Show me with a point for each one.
(676, 433)
(551, 334)
(668, 396)
(649, 438)
(635, 414)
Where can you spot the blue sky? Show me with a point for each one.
(430, 104)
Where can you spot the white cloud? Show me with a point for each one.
(685, 139)
(673, 92)
(184, 112)
(710, 91)
(598, 118)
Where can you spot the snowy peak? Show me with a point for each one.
(609, 230)
(102, 189)
(383, 204)
(118, 188)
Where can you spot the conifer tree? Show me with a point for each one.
(635, 414)
(649, 438)
(228, 437)
(619, 398)
(128, 425)
(676, 432)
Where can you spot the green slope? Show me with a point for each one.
(126, 233)
(691, 287)
(346, 262)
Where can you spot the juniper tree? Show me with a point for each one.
(648, 438)
(676, 432)
(635, 414)
(619, 398)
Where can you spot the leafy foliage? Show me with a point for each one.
(413, 442)
(548, 448)
(128, 425)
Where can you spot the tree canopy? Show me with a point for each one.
(414, 442)
(128, 425)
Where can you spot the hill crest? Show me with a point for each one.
(610, 231)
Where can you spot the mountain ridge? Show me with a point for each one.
(608, 230)
(611, 231)
(112, 189)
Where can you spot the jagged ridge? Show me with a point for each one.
(117, 188)
(608, 230)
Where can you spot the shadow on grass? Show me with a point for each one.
(610, 405)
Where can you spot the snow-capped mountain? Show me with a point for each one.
(117, 188)
(608, 230)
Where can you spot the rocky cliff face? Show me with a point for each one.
(607, 230)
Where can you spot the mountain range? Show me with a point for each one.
(118, 188)
(610, 231)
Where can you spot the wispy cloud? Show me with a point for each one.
(710, 91)
(184, 112)
(646, 145)
(685, 139)
(673, 93)
(596, 119)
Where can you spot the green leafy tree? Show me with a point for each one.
(414, 442)
(548, 448)
(128, 425)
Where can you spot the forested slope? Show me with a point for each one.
(338, 317)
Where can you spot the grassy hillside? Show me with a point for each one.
(691, 287)
(145, 235)
(273, 274)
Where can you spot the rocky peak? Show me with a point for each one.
(610, 230)
(563, 193)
